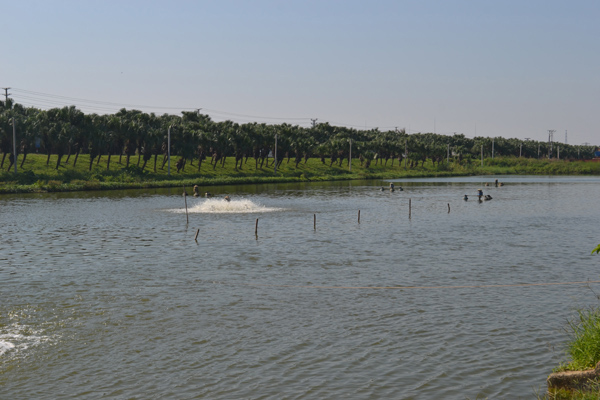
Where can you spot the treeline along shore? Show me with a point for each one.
(63, 149)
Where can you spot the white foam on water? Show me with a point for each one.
(221, 206)
(5, 346)
(13, 340)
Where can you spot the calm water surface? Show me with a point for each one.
(107, 295)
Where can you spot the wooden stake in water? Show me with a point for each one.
(197, 232)
(409, 207)
(448, 208)
(256, 228)
(187, 218)
(359, 216)
(315, 222)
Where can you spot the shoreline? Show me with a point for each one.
(36, 177)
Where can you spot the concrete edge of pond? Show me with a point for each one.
(573, 380)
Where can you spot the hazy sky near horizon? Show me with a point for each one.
(483, 68)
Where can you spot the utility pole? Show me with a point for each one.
(405, 152)
(275, 155)
(169, 150)
(314, 122)
(550, 140)
(14, 142)
(6, 94)
(350, 157)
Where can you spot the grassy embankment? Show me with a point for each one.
(36, 176)
(584, 352)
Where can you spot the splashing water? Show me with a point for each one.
(5, 345)
(18, 338)
(221, 206)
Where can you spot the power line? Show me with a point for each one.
(33, 98)
(121, 105)
(98, 101)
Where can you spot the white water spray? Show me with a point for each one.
(221, 206)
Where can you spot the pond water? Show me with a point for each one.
(108, 295)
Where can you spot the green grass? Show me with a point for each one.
(36, 176)
(584, 346)
(584, 352)
(592, 392)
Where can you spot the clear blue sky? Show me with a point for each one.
(479, 67)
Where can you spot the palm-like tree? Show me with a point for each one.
(5, 135)
(28, 135)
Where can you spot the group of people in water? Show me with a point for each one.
(392, 188)
(208, 195)
(480, 195)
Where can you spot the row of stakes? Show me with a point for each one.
(256, 224)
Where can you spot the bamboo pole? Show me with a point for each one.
(448, 208)
(359, 216)
(409, 207)
(256, 228)
(197, 232)
(315, 222)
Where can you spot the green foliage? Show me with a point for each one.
(596, 250)
(584, 347)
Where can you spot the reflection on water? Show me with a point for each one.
(109, 295)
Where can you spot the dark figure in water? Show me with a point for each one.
(466, 198)
(208, 195)
(227, 198)
(479, 194)
(496, 182)
(487, 197)
(196, 193)
(391, 187)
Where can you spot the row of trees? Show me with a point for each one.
(67, 132)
